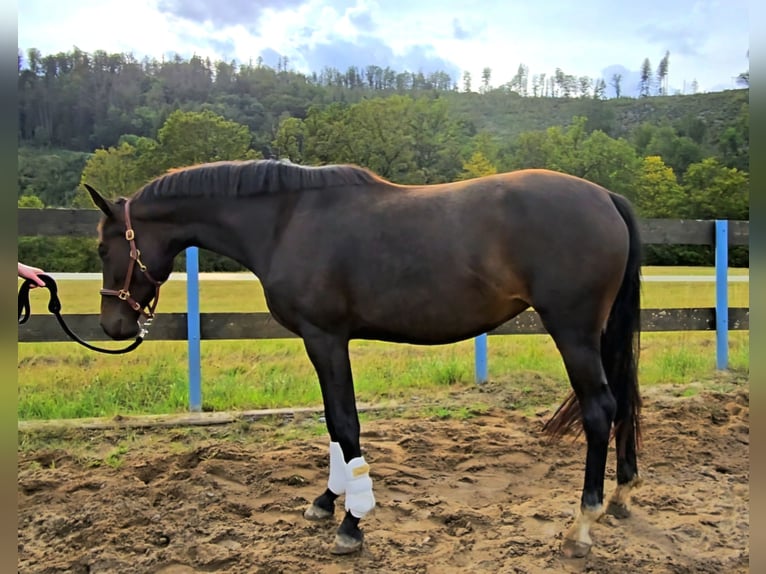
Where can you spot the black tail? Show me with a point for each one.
(620, 345)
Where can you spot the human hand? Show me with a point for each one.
(28, 272)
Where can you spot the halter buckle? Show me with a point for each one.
(122, 294)
(129, 235)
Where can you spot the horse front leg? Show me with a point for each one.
(349, 472)
(323, 506)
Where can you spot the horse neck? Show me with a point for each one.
(217, 225)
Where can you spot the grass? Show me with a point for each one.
(63, 380)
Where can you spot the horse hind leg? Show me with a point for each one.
(582, 359)
(619, 352)
(628, 478)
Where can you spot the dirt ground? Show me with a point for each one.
(482, 494)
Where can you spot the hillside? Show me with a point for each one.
(507, 115)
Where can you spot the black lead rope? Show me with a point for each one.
(54, 306)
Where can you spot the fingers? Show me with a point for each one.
(29, 272)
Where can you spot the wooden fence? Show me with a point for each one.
(194, 326)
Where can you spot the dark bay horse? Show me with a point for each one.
(342, 254)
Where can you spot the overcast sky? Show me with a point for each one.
(708, 40)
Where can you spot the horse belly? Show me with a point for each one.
(434, 312)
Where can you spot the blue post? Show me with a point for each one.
(192, 326)
(722, 294)
(480, 350)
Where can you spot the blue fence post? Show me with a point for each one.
(480, 351)
(722, 293)
(192, 327)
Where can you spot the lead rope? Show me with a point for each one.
(54, 306)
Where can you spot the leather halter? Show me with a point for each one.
(135, 259)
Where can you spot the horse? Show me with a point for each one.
(344, 254)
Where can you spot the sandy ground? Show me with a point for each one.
(486, 494)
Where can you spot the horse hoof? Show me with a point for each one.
(345, 544)
(618, 510)
(315, 513)
(575, 549)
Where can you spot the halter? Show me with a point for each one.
(135, 259)
(54, 305)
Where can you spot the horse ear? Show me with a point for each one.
(103, 204)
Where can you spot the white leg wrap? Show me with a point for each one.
(359, 497)
(337, 480)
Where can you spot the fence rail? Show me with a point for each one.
(194, 326)
(82, 223)
(231, 326)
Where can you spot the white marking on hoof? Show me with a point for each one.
(344, 544)
(619, 503)
(577, 541)
(315, 513)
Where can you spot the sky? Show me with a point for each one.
(707, 40)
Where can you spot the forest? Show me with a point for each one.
(116, 122)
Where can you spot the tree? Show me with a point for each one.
(559, 80)
(695, 86)
(436, 142)
(533, 149)
(599, 89)
(486, 76)
(326, 136)
(734, 142)
(662, 75)
(676, 151)
(520, 82)
(113, 172)
(716, 191)
(595, 156)
(645, 85)
(485, 144)
(31, 201)
(616, 84)
(51, 175)
(400, 138)
(189, 138)
(607, 161)
(692, 126)
(289, 142)
(466, 81)
(477, 166)
(186, 138)
(657, 192)
(380, 136)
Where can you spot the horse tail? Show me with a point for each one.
(620, 346)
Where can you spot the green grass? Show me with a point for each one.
(63, 380)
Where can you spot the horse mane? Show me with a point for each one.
(250, 178)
